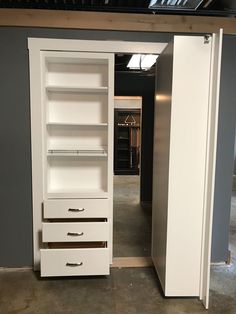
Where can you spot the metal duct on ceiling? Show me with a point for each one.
(175, 4)
(183, 7)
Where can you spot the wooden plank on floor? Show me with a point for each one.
(125, 262)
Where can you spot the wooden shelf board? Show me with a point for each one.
(128, 97)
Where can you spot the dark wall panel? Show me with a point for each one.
(225, 152)
(235, 156)
(15, 169)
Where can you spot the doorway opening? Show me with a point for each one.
(133, 129)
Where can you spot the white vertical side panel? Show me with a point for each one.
(191, 71)
(36, 150)
(210, 165)
(111, 77)
(161, 147)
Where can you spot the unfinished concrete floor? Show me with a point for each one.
(130, 290)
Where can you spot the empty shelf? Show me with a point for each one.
(77, 124)
(77, 153)
(81, 193)
(74, 89)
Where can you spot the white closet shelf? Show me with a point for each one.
(75, 89)
(75, 61)
(77, 153)
(77, 124)
(80, 193)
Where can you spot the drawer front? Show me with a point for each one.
(81, 208)
(74, 262)
(75, 232)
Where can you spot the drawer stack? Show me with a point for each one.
(76, 236)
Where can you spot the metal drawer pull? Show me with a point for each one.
(75, 234)
(74, 264)
(76, 209)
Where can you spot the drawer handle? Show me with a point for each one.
(76, 209)
(74, 264)
(75, 234)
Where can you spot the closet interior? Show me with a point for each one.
(127, 141)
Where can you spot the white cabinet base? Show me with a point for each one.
(79, 208)
(75, 231)
(74, 262)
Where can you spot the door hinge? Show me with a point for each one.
(207, 39)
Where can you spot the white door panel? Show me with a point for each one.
(181, 132)
(210, 165)
(161, 147)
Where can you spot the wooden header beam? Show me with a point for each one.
(116, 21)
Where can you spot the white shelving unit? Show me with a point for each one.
(77, 160)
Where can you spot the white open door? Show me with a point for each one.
(211, 165)
(185, 138)
(161, 151)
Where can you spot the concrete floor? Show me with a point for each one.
(132, 224)
(130, 290)
(223, 278)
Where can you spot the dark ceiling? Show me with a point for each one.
(208, 7)
(121, 61)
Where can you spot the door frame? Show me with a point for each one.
(35, 46)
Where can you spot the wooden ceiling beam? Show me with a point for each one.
(116, 21)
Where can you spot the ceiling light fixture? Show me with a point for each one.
(142, 62)
(175, 4)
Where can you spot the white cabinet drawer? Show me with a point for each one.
(80, 208)
(74, 262)
(75, 231)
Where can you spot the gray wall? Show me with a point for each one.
(225, 151)
(235, 151)
(15, 169)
